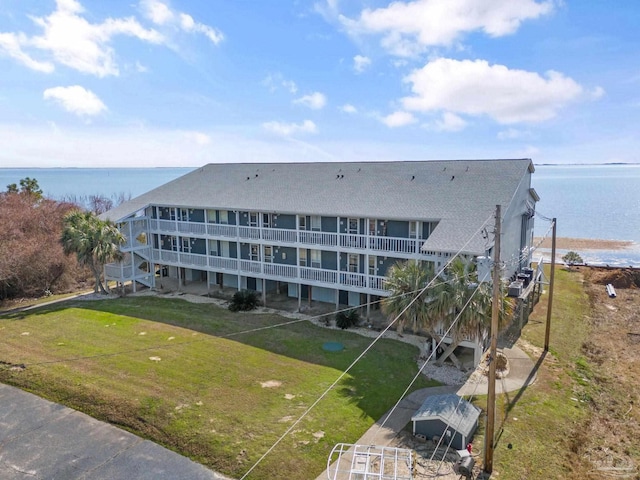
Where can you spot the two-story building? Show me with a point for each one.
(323, 231)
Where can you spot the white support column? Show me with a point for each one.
(208, 281)
(337, 299)
(299, 296)
(477, 354)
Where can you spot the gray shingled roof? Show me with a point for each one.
(459, 194)
(452, 410)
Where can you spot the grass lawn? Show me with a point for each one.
(541, 424)
(174, 372)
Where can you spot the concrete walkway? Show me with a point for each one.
(522, 373)
(43, 440)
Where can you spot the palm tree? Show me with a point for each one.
(405, 280)
(463, 298)
(94, 241)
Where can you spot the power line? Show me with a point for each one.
(375, 340)
(229, 335)
(455, 321)
(457, 427)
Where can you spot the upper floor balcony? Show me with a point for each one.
(379, 245)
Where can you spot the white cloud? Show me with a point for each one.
(361, 63)
(11, 45)
(75, 42)
(477, 88)
(140, 68)
(158, 12)
(529, 151)
(408, 28)
(597, 92)
(188, 24)
(287, 129)
(275, 80)
(348, 108)
(161, 14)
(512, 134)
(315, 100)
(450, 122)
(76, 99)
(398, 119)
(199, 137)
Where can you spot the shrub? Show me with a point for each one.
(572, 258)
(244, 300)
(347, 319)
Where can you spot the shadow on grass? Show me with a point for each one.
(373, 384)
(511, 403)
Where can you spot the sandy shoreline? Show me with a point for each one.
(577, 244)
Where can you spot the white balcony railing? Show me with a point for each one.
(193, 259)
(279, 235)
(115, 270)
(319, 275)
(279, 270)
(249, 233)
(223, 263)
(379, 245)
(353, 241)
(391, 244)
(195, 228)
(376, 283)
(215, 230)
(318, 238)
(250, 266)
(165, 256)
(353, 279)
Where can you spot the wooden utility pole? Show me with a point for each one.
(493, 351)
(547, 332)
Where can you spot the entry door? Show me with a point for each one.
(353, 262)
(353, 226)
(373, 266)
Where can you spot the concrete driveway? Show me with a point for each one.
(41, 440)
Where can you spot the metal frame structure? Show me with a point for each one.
(370, 462)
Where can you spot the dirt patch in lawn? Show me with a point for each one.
(271, 384)
(607, 441)
(618, 277)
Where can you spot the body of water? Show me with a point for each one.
(592, 201)
(589, 201)
(61, 183)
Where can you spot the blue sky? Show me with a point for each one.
(182, 83)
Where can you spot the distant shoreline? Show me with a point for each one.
(577, 244)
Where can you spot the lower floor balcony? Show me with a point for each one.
(271, 271)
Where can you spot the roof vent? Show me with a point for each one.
(452, 177)
(256, 175)
(413, 177)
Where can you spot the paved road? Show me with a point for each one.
(41, 440)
